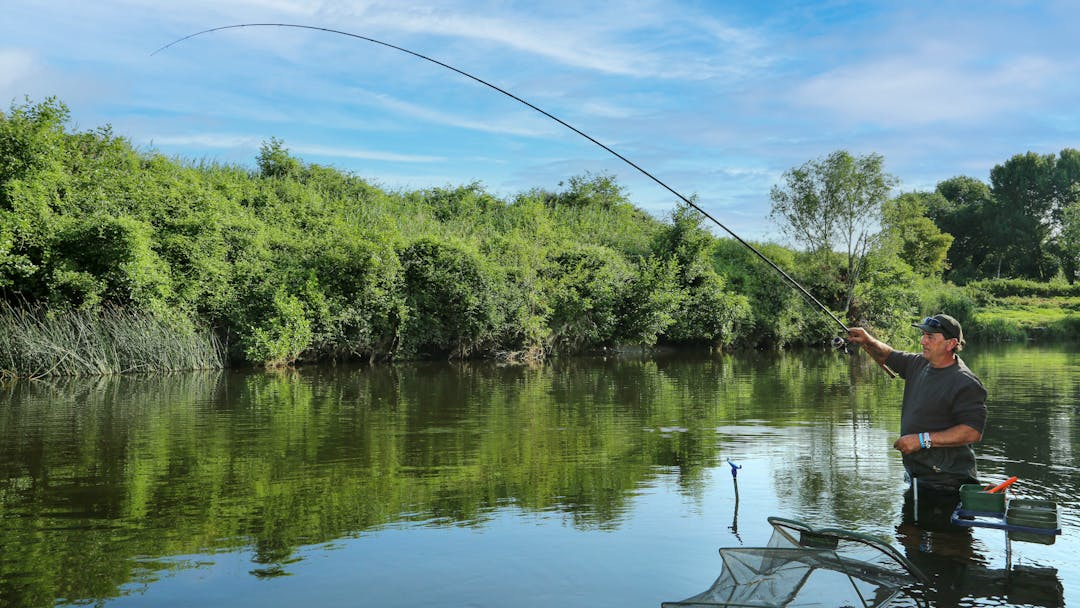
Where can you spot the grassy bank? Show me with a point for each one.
(1022, 319)
(35, 343)
(1014, 310)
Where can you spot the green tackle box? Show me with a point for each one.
(1035, 515)
(975, 499)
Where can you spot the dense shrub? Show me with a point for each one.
(959, 302)
(452, 306)
(585, 289)
(290, 262)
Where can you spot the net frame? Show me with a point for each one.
(803, 566)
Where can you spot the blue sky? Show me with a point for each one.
(717, 99)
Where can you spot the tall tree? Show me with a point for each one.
(1070, 241)
(834, 204)
(1026, 197)
(966, 210)
(915, 237)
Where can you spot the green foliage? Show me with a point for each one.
(585, 287)
(360, 304)
(959, 302)
(1016, 310)
(1017, 227)
(706, 312)
(915, 237)
(1003, 288)
(115, 257)
(298, 262)
(274, 160)
(710, 314)
(834, 205)
(35, 342)
(889, 299)
(31, 139)
(295, 262)
(283, 334)
(992, 328)
(648, 306)
(779, 314)
(591, 190)
(451, 299)
(1027, 199)
(1069, 242)
(966, 210)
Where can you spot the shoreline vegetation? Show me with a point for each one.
(115, 260)
(36, 342)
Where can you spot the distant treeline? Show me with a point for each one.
(291, 261)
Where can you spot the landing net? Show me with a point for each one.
(806, 567)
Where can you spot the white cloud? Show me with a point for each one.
(345, 152)
(208, 140)
(517, 127)
(229, 141)
(16, 66)
(933, 71)
(933, 86)
(616, 39)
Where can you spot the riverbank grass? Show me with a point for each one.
(1018, 318)
(35, 342)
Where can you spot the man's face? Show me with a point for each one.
(935, 346)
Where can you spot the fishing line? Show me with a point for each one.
(562, 122)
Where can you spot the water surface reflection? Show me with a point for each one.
(580, 482)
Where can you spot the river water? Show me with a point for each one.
(582, 482)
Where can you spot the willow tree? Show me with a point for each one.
(833, 204)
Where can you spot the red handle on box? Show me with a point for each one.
(1001, 486)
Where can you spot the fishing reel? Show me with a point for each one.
(842, 345)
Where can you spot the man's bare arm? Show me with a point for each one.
(960, 434)
(879, 351)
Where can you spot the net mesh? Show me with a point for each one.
(806, 567)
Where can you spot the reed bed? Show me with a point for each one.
(36, 342)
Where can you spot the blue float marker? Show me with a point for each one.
(734, 527)
(734, 468)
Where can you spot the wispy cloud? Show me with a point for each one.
(348, 152)
(208, 140)
(230, 141)
(528, 127)
(640, 40)
(935, 86)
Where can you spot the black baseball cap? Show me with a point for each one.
(942, 324)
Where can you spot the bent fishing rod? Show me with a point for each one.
(562, 122)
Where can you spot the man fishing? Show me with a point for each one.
(944, 406)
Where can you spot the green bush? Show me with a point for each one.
(451, 301)
(889, 299)
(283, 333)
(959, 302)
(585, 288)
(709, 314)
(118, 253)
(361, 306)
(648, 305)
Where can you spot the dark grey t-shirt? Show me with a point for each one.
(936, 399)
